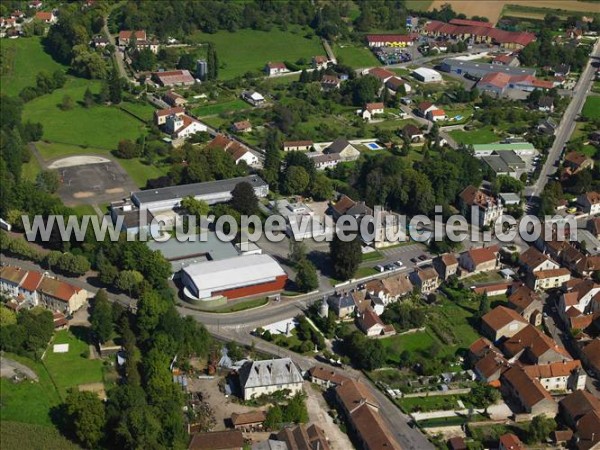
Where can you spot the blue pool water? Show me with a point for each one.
(373, 146)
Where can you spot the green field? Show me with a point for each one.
(484, 135)
(218, 108)
(431, 403)
(28, 401)
(591, 109)
(249, 50)
(21, 61)
(74, 367)
(143, 110)
(30, 169)
(355, 56)
(20, 436)
(418, 5)
(100, 126)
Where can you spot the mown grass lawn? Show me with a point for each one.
(30, 169)
(483, 135)
(431, 403)
(21, 61)
(218, 108)
(591, 108)
(28, 401)
(69, 370)
(249, 50)
(99, 126)
(355, 56)
(411, 342)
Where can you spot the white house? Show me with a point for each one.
(181, 127)
(265, 377)
(371, 110)
(275, 68)
(436, 115)
(254, 98)
(590, 202)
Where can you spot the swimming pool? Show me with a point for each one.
(374, 146)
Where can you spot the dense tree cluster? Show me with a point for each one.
(345, 256)
(544, 52)
(28, 333)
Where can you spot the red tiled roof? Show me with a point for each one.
(530, 390)
(373, 106)
(276, 65)
(248, 418)
(44, 15)
(553, 370)
(217, 440)
(496, 79)
(511, 442)
(32, 281)
(169, 111)
(58, 289)
(242, 125)
(438, 112)
(474, 23)
(126, 34)
(483, 254)
(370, 319)
(500, 317)
(297, 144)
(326, 374)
(380, 73)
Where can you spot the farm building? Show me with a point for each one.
(211, 192)
(174, 78)
(240, 276)
(425, 75)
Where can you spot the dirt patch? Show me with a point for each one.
(83, 194)
(492, 9)
(10, 368)
(97, 388)
(114, 190)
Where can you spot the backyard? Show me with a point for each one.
(20, 62)
(591, 109)
(482, 135)
(249, 50)
(355, 56)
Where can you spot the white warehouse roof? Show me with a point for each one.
(232, 273)
(428, 73)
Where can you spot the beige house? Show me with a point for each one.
(325, 377)
(300, 146)
(371, 324)
(559, 376)
(344, 149)
(532, 260)
(483, 259)
(446, 265)
(267, 376)
(532, 346)
(425, 279)
(528, 303)
(60, 296)
(548, 279)
(501, 322)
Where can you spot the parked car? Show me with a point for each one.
(422, 257)
(414, 260)
(379, 268)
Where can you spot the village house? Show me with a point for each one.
(253, 97)
(325, 377)
(581, 299)
(590, 203)
(436, 115)
(173, 78)
(344, 149)
(371, 324)
(346, 206)
(576, 405)
(546, 104)
(235, 149)
(381, 74)
(397, 84)
(412, 132)
(483, 259)
(576, 162)
(425, 279)
(528, 303)
(548, 279)
(501, 322)
(372, 109)
(46, 17)
(267, 376)
(590, 356)
(558, 376)
(125, 37)
(395, 287)
(487, 361)
(244, 126)
(275, 68)
(11, 278)
(425, 108)
(174, 99)
(302, 437)
(217, 440)
(320, 62)
(249, 421)
(35, 4)
(479, 208)
(528, 393)
(160, 115)
(510, 441)
(299, 146)
(330, 82)
(323, 162)
(152, 45)
(506, 59)
(182, 126)
(99, 41)
(532, 346)
(57, 295)
(532, 260)
(457, 443)
(361, 410)
(342, 305)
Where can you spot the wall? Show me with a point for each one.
(246, 291)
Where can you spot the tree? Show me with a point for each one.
(73, 264)
(127, 149)
(48, 181)
(539, 429)
(484, 305)
(483, 395)
(306, 276)
(196, 208)
(321, 187)
(345, 256)
(274, 417)
(144, 60)
(129, 280)
(186, 62)
(86, 417)
(212, 63)
(115, 93)
(296, 411)
(87, 63)
(297, 251)
(7, 317)
(88, 98)
(296, 180)
(234, 351)
(67, 103)
(243, 199)
(101, 317)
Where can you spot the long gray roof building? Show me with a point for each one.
(479, 69)
(269, 375)
(211, 192)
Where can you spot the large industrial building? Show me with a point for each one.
(479, 69)
(240, 276)
(211, 192)
(426, 75)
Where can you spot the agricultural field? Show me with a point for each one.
(21, 435)
(73, 368)
(418, 5)
(591, 109)
(99, 126)
(493, 9)
(355, 56)
(20, 62)
(249, 50)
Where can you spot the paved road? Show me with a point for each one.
(565, 128)
(118, 55)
